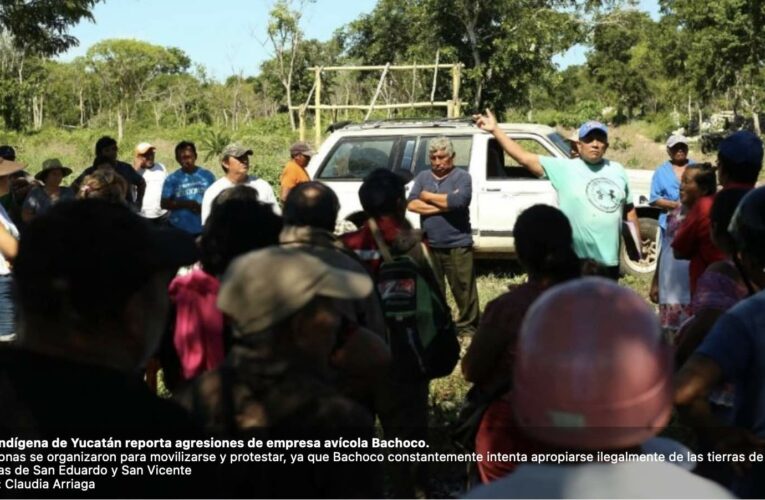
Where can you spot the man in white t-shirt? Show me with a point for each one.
(154, 173)
(235, 161)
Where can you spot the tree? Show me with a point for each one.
(40, 27)
(726, 48)
(286, 37)
(127, 68)
(506, 45)
(620, 41)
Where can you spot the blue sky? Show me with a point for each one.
(227, 36)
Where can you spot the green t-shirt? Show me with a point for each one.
(593, 199)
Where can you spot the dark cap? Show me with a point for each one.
(236, 150)
(7, 152)
(741, 148)
(302, 148)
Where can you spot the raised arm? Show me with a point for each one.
(529, 161)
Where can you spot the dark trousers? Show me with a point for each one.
(456, 265)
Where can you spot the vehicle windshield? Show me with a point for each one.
(561, 143)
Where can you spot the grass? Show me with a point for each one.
(268, 138)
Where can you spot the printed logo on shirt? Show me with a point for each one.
(605, 194)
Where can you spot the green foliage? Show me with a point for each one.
(40, 27)
(659, 126)
(725, 41)
(618, 39)
(213, 141)
(506, 45)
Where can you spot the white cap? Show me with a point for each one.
(143, 148)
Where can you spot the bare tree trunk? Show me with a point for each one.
(756, 120)
(120, 124)
(470, 20)
(82, 108)
(157, 113)
(36, 113)
(288, 88)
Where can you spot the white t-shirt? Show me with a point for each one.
(5, 220)
(264, 189)
(603, 480)
(155, 179)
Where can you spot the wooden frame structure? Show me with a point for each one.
(453, 106)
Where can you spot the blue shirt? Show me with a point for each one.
(665, 185)
(449, 229)
(183, 186)
(737, 344)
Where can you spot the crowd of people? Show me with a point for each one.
(266, 323)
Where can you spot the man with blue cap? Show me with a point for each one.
(593, 192)
(739, 160)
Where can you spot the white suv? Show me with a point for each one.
(502, 189)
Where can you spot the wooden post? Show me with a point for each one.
(435, 77)
(414, 82)
(301, 126)
(377, 92)
(317, 112)
(456, 77)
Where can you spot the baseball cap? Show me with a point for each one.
(236, 150)
(302, 148)
(676, 139)
(144, 148)
(590, 126)
(741, 148)
(266, 286)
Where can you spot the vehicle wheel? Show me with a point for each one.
(649, 248)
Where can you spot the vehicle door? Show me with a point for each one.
(507, 189)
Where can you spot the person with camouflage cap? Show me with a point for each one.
(235, 160)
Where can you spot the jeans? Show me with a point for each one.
(7, 308)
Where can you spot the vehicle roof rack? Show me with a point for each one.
(406, 123)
